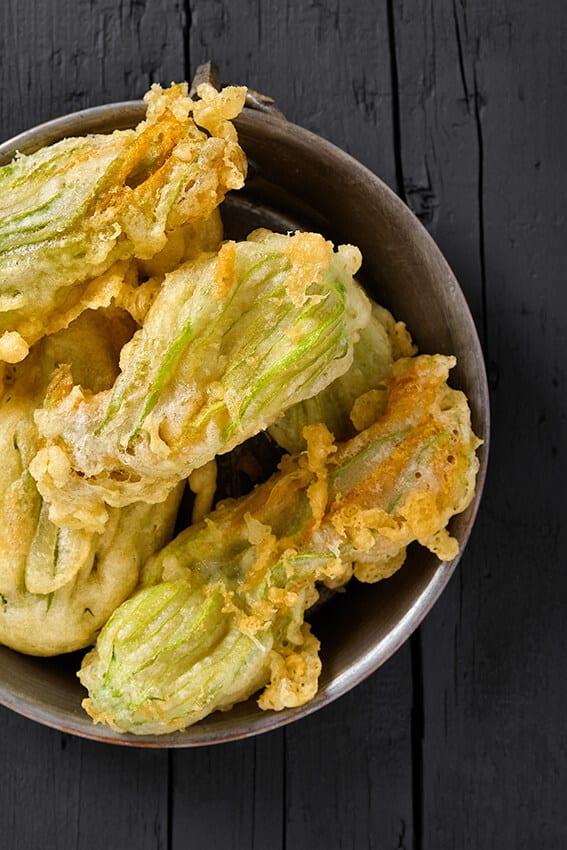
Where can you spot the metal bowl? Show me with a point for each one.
(298, 180)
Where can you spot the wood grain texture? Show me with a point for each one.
(348, 768)
(459, 741)
(325, 62)
(63, 55)
(60, 792)
(481, 94)
(230, 796)
(56, 57)
(328, 67)
(439, 152)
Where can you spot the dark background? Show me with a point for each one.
(460, 740)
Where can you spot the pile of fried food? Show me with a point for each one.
(137, 347)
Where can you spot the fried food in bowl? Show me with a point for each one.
(384, 471)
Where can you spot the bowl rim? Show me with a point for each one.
(123, 115)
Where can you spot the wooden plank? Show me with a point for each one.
(60, 56)
(229, 795)
(39, 792)
(482, 129)
(56, 57)
(438, 136)
(123, 797)
(349, 767)
(326, 64)
(480, 96)
(60, 792)
(322, 782)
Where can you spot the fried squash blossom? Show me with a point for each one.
(138, 348)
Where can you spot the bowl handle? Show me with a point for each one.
(209, 73)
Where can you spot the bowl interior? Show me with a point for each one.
(298, 180)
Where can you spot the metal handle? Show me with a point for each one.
(209, 73)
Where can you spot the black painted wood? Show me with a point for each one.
(57, 57)
(458, 741)
(494, 766)
(328, 66)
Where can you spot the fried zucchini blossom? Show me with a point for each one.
(140, 351)
(220, 614)
(230, 341)
(58, 586)
(75, 214)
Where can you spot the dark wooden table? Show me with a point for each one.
(460, 740)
